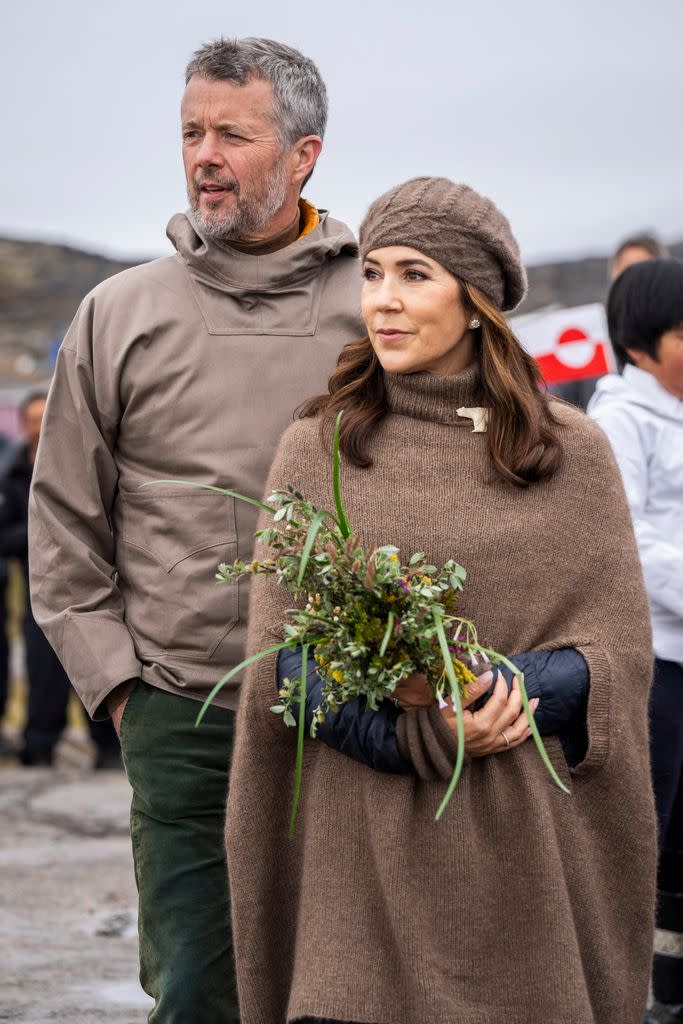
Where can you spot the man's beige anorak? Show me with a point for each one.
(185, 369)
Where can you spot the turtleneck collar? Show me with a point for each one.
(431, 396)
(265, 246)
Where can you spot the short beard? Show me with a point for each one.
(251, 211)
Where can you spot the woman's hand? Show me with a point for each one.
(414, 692)
(500, 725)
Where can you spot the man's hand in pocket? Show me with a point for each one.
(117, 700)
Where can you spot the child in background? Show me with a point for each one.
(641, 412)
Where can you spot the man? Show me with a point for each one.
(48, 685)
(188, 369)
(632, 250)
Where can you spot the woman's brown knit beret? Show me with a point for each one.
(455, 226)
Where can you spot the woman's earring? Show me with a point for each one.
(474, 324)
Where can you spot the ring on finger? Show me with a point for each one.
(507, 741)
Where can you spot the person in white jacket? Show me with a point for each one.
(641, 411)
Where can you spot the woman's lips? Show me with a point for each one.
(389, 337)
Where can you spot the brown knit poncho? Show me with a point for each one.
(522, 905)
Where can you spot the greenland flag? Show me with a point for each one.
(567, 344)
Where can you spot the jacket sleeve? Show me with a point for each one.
(560, 680)
(662, 561)
(420, 741)
(365, 735)
(74, 594)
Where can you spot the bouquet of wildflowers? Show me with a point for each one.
(369, 620)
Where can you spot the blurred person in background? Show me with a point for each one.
(633, 249)
(188, 369)
(48, 685)
(6, 748)
(641, 412)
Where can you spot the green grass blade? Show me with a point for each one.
(234, 671)
(336, 483)
(534, 728)
(300, 738)
(387, 635)
(527, 710)
(313, 529)
(210, 487)
(455, 693)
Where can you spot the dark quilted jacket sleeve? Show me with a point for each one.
(558, 678)
(365, 735)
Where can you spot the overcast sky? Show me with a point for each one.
(567, 114)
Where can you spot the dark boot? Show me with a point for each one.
(667, 963)
(659, 1014)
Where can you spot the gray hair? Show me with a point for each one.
(300, 96)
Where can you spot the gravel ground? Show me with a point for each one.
(67, 896)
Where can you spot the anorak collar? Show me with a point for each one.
(428, 396)
(228, 270)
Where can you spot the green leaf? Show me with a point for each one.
(419, 556)
(210, 487)
(234, 671)
(455, 694)
(313, 529)
(344, 527)
(532, 723)
(300, 738)
(387, 634)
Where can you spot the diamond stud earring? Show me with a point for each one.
(474, 324)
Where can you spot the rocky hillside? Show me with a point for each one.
(41, 286)
(572, 282)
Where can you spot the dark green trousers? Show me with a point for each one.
(179, 776)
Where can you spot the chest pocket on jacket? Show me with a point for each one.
(169, 543)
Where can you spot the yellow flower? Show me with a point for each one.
(337, 675)
(463, 674)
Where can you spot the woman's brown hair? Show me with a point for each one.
(523, 440)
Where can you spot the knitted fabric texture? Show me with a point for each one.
(522, 904)
(454, 225)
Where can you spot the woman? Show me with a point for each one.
(521, 904)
